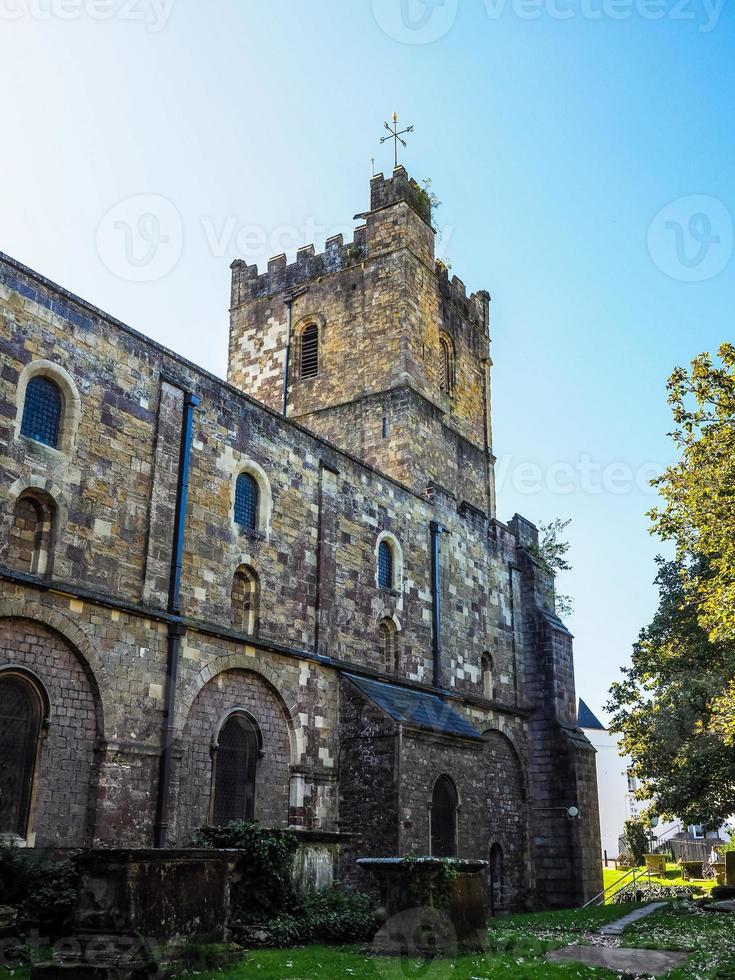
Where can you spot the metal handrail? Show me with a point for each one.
(676, 829)
(618, 885)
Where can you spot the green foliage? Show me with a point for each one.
(264, 875)
(643, 891)
(636, 840)
(432, 887)
(44, 892)
(266, 910)
(698, 512)
(329, 916)
(666, 706)
(429, 202)
(552, 553)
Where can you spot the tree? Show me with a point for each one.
(636, 841)
(671, 708)
(551, 552)
(698, 513)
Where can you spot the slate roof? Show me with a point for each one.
(416, 709)
(586, 718)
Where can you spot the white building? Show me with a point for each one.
(616, 789)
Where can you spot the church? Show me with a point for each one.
(287, 596)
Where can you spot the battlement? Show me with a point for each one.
(385, 191)
(475, 307)
(248, 283)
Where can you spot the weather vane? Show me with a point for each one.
(395, 135)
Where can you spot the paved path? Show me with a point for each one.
(651, 962)
(616, 928)
(638, 962)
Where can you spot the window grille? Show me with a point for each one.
(246, 501)
(385, 566)
(20, 722)
(42, 411)
(310, 351)
(236, 760)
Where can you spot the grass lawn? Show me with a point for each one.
(710, 936)
(515, 950)
(673, 877)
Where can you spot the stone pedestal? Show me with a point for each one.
(137, 907)
(431, 906)
(656, 863)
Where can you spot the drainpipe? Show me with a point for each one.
(288, 300)
(177, 629)
(436, 602)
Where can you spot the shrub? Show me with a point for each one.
(266, 911)
(642, 891)
(264, 875)
(636, 840)
(44, 892)
(329, 916)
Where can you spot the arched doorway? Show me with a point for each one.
(505, 877)
(23, 708)
(444, 818)
(496, 879)
(235, 758)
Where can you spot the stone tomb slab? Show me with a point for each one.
(634, 962)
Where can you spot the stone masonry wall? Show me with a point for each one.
(381, 305)
(66, 803)
(228, 690)
(112, 482)
(368, 785)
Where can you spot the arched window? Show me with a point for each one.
(310, 351)
(235, 761)
(21, 715)
(388, 643)
(488, 681)
(42, 411)
(246, 501)
(444, 818)
(446, 364)
(385, 565)
(245, 597)
(496, 878)
(31, 533)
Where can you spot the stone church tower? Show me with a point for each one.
(286, 597)
(402, 380)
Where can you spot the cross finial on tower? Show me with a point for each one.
(395, 135)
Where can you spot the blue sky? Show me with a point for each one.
(581, 152)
